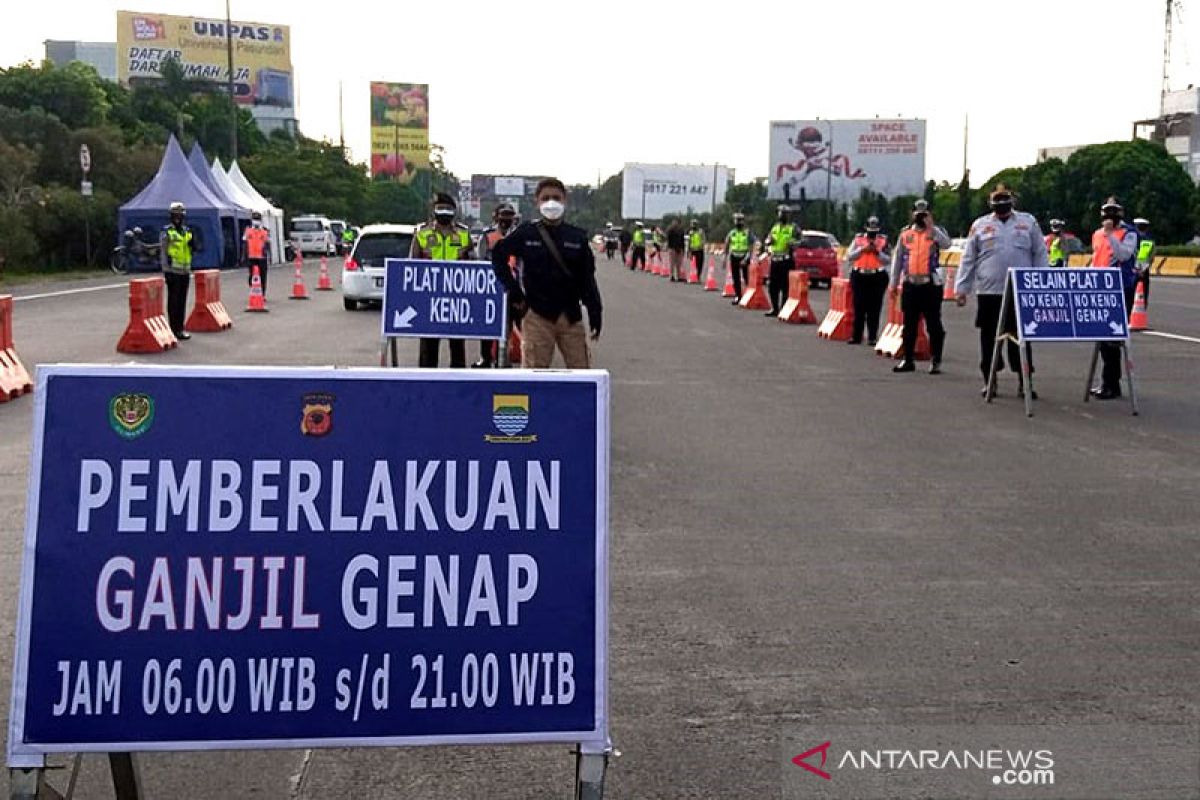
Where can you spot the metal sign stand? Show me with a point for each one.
(590, 769)
(29, 783)
(1003, 336)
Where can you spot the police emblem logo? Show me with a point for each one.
(510, 415)
(316, 416)
(130, 414)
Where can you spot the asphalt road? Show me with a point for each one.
(798, 537)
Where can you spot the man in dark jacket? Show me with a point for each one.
(558, 274)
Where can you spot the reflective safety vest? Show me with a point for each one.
(781, 238)
(441, 247)
(179, 246)
(1054, 245)
(869, 259)
(920, 252)
(739, 241)
(1102, 251)
(1145, 251)
(660, 238)
(256, 242)
(347, 235)
(639, 238)
(696, 240)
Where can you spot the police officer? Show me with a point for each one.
(780, 243)
(558, 274)
(177, 244)
(1057, 244)
(1145, 256)
(996, 243)
(347, 239)
(867, 259)
(739, 245)
(1115, 244)
(442, 240)
(916, 269)
(256, 241)
(610, 241)
(639, 246)
(502, 224)
(696, 247)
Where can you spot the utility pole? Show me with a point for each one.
(341, 122)
(233, 128)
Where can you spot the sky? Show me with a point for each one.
(576, 89)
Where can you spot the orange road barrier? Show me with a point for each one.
(323, 282)
(951, 276)
(694, 272)
(209, 314)
(891, 342)
(796, 309)
(256, 302)
(14, 378)
(148, 331)
(1179, 266)
(660, 267)
(755, 297)
(1138, 320)
(299, 290)
(838, 323)
(710, 282)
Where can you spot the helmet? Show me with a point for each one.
(872, 223)
(738, 215)
(137, 232)
(506, 209)
(1142, 222)
(638, 224)
(1056, 224)
(608, 224)
(921, 206)
(695, 224)
(1111, 204)
(176, 208)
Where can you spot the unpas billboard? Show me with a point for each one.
(840, 158)
(654, 191)
(262, 54)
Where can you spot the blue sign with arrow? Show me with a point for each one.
(443, 299)
(1070, 305)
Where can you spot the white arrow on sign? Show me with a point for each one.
(403, 319)
(1117, 328)
(1031, 329)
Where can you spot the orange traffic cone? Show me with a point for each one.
(728, 291)
(693, 273)
(299, 290)
(710, 282)
(1138, 320)
(323, 283)
(257, 302)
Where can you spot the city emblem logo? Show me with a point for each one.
(130, 414)
(510, 415)
(316, 417)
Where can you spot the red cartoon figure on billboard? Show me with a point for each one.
(816, 157)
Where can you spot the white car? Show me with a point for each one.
(363, 273)
(313, 234)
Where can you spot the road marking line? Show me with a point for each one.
(1192, 339)
(19, 298)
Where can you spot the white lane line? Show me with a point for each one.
(19, 298)
(1176, 336)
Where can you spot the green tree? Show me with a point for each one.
(74, 93)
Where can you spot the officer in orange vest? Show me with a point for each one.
(867, 259)
(1115, 244)
(503, 219)
(256, 244)
(916, 269)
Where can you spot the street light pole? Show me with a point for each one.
(233, 128)
(829, 178)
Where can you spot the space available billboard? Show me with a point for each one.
(654, 191)
(842, 157)
(400, 132)
(262, 54)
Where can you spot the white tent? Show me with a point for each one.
(272, 216)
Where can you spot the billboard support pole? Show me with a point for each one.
(233, 128)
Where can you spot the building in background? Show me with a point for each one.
(655, 191)
(100, 55)
(488, 191)
(822, 159)
(263, 79)
(1061, 153)
(1177, 128)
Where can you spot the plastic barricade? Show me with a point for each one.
(796, 310)
(755, 297)
(147, 331)
(209, 314)
(14, 378)
(839, 321)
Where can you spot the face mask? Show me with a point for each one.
(740, 224)
(1114, 216)
(258, 223)
(1002, 209)
(505, 223)
(919, 218)
(552, 209)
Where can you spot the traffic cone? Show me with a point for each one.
(1138, 320)
(323, 282)
(299, 290)
(256, 302)
(710, 282)
(728, 290)
(693, 273)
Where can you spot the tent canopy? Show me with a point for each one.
(176, 181)
(239, 179)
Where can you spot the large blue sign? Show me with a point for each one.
(443, 299)
(337, 558)
(1067, 305)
